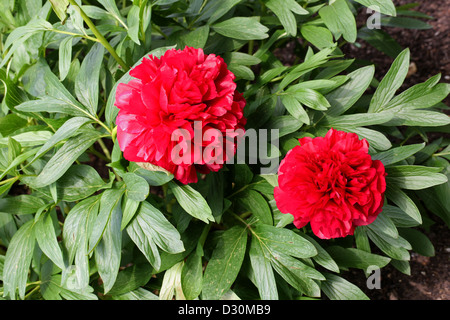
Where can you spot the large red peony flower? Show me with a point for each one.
(183, 91)
(332, 183)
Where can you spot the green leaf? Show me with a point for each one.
(255, 203)
(394, 248)
(214, 10)
(64, 157)
(150, 229)
(78, 183)
(21, 204)
(264, 277)
(284, 10)
(404, 23)
(87, 80)
(415, 177)
(344, 97)
(46, 238)
(295, 108)
(53, 105)
(337, 288)
(243, 28)
(111, 7)
(155, 176)
(17, 261)
(399, 217)
(309, 97)
(192, 276)
(405, 117)
(60, 8)
(397, 154)
(420, 96)
(131, 278)
(391, 82)
(384, 225)
(404, 202)
(382, 6)
(285, 124)
(108, 250)
(354, 258)
(225, 263)
(137, 187)
(67, 130)
(196, 38)
(192, 201)
(339, 19)
(419, 242)
(10, 123)
(65, 57)
(381, 40)
(110, 205)
(376, 139)
(323, 258)
(130, 208)
(306, 66)
(76, 232)
(28, 139)
(297, 274)
(320, 37)
(284, 240)
(359, 119)
(134, 23)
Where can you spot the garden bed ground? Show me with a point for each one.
(430, 53)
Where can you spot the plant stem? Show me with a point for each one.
(104, 149)
(99, 36)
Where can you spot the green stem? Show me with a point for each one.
(104, 149)
(99, 36)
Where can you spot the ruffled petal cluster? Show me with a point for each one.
(180, 89)
(332, 183)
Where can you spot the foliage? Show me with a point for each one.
(78, 221)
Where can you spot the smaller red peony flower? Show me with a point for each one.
(332, 183)
(178, 112)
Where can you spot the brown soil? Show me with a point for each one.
(430, 54)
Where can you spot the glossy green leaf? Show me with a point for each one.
(108, 250)
(255, 203)
(87, 80)
(65, 57)
(137, 187)
(344, 97)
(192, 276)
(149, 230)
(192, 201)
(18, 260)
(21, 204)
(225, 263)
(242, 28)
(339, 19)
(284, 10)
(264, 277)
(397, 154)
(415, 177)
(64, 157)
(337, 288)
(391, 82)
(46, 238)
(382, 6)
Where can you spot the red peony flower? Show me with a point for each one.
(332, 183)
(184, 91)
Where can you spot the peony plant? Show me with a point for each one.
(166, 149)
